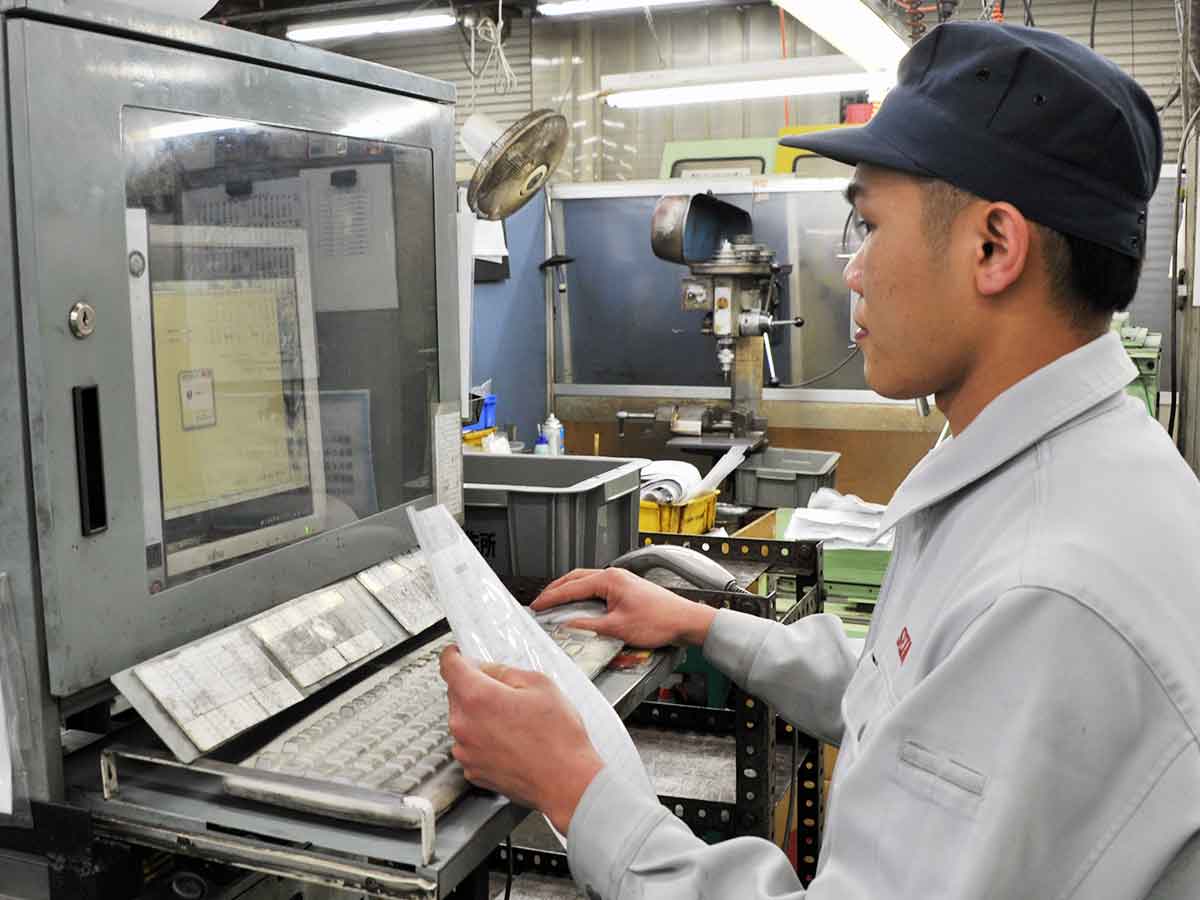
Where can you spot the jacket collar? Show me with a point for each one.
(1014, 421)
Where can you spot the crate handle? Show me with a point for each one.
(776, 475)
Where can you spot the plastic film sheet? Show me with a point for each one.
(490, 626)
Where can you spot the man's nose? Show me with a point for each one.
(852, 274)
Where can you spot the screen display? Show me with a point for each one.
(286, 333)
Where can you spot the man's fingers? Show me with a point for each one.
(573, 575)
(465, 680)
(450, 660)
(593, 584)
(512, 677)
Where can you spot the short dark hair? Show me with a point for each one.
(1089, 280)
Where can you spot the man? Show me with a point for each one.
(1024, 720)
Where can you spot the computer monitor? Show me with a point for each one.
(232, 425)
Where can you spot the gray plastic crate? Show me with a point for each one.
(778, 477)
(542, 516)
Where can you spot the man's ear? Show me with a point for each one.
(1002, 248)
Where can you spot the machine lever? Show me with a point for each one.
(772, 378)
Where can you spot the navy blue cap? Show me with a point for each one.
(1020, 115)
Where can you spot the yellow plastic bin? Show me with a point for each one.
(694, 517)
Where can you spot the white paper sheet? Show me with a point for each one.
(489, 240)
(669, 481)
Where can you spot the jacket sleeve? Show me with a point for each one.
(1038, 758)
(801, 669)
(623, 844)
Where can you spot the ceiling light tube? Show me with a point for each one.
(586, 7)
(852, 27)
(743, 90)
(747, 81)
(343, 29)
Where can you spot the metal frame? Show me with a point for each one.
(86, 847)
(800, 558)
(39, 578)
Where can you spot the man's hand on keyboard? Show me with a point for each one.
(514, 732)
(640, 612)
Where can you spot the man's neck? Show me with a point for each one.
(1007, 362)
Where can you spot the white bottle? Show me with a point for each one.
(553, 431)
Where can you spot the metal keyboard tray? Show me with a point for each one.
(187, 811)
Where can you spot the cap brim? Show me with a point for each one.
(853, 146)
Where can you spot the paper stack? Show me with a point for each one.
(842, 521)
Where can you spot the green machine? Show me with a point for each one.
(719, 158)
(1145, 350)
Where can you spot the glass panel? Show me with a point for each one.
(287, 323)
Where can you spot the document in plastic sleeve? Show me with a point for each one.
(490, 626)
(218, 688)
(405, 588)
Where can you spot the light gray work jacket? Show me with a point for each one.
(1023, 721)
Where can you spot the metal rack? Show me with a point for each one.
(753, 724)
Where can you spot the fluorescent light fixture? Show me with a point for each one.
(198, 125)
(750, 81)
(852, 27)
(340, 30)
(585, 7)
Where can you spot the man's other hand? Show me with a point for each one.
(515, 733)
(640, 613)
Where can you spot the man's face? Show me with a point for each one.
(914, 312)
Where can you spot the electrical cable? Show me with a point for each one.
(1174, 294)
(662, 60)
(491, 33)
(1173, 322)
(1175, 93)
(853, 353)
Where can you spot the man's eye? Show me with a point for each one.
(861, 226)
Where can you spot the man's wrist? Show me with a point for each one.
(569, 790)
(697, 621)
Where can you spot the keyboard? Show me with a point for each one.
(383, 739)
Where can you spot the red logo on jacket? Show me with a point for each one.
(903, 644)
